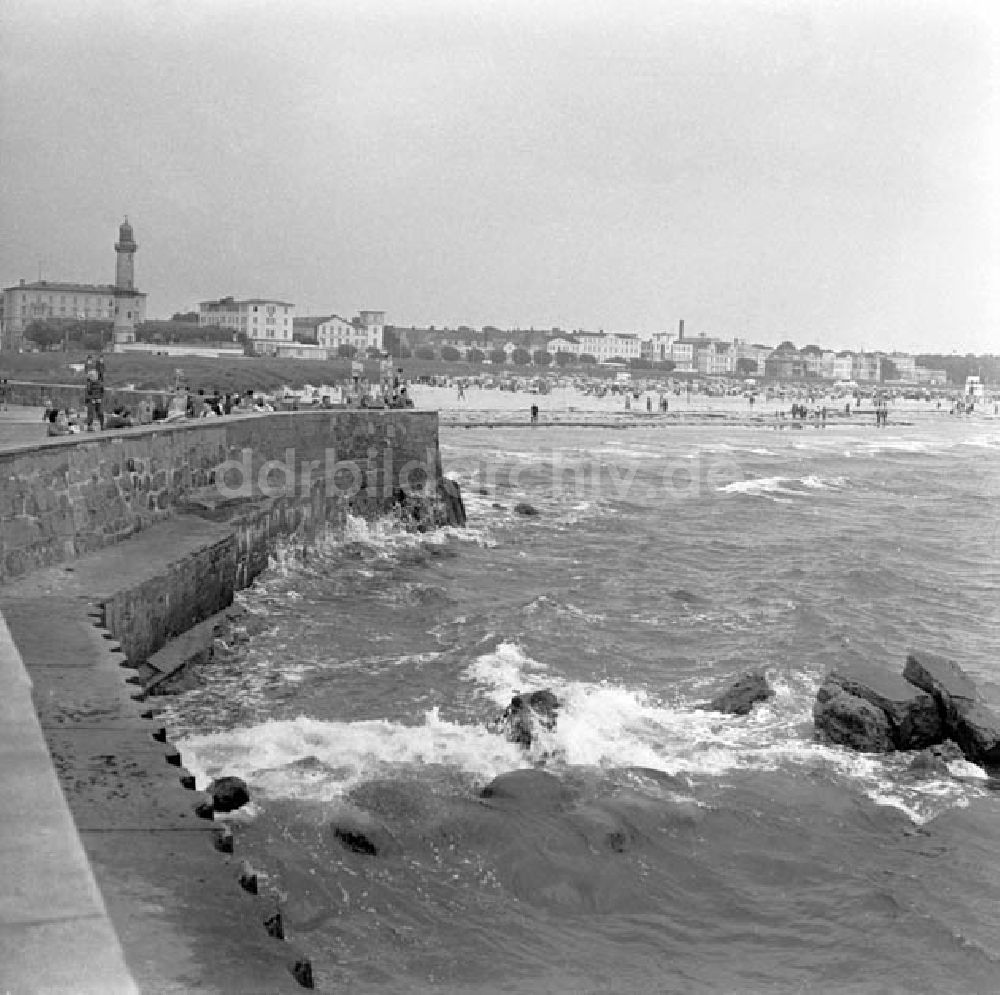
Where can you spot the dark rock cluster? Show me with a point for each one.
(932, 703)
(525, 714)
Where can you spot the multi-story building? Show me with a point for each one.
(373, 322)
(812, 357)
(682, 355)
(906, 366)
(563, 343)
(713, 357)
(843, 366)
(266, 323)
(45, 300)
(866, 366)
(333, 332)
(749, 357)
(606, 346)
(657, 346)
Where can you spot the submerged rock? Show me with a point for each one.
(229, 793)
(523, 508)
(362, 833)
(847, 720)
(525, 714)
(742, 694)
(933, 761)
(533, 788)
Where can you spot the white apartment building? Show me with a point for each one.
(560, 344)
(843, 366)
(333, 332)
(682, 354)
(266, 323)
(607, 346)
(714, 358)
(657, 346)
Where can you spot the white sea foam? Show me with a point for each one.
(600, 724)
(320, 760)
(789, 487)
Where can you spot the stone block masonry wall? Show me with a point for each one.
(68, 496)
(144, 617)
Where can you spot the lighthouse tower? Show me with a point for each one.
(126, 297)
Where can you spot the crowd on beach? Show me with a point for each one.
(809, 403)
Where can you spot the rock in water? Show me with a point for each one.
(934, 760)
(362, 833)
(523, 508)
(229, 793)
(971, 724)
(520, 718)
(532, 789)
(914, 721)
(847, 720)
(742, 695)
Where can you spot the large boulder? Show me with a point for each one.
(914, 720)
(742, 694)
(525, 715)
(847, 720)
(971, 724)
(229, 793)
(939, 676)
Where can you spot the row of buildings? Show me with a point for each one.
(270, 327)
(701, 353)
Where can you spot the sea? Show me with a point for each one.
(643, 844)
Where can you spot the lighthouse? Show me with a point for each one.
(127, 300)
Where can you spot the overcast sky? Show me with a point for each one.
(821, 170)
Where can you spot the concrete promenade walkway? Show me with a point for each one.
(55, 934)
(109, 880)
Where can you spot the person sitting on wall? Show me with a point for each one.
(56, 423)
(119, 418)
(73, 420)
(178, 407)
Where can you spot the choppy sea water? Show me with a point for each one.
(662, 848)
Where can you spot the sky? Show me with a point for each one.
(823, 171)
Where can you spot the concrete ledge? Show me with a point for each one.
(55, 934)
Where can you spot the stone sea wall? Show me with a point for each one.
(267, 474)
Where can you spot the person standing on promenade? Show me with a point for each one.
(94, 391)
